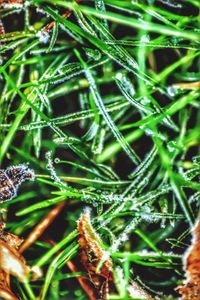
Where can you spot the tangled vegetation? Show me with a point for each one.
(101, 99)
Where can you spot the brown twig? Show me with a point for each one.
(66, 14)
(42, 226)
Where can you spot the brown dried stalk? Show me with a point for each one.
(83, 281)
(42, 226)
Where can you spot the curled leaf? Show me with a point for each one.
(8, 246)
(91, 254)
(191, 289)
(11, 261)
(11, 178)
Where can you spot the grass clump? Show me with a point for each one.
(101, 99)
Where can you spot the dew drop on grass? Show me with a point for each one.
(195, 198)
(87, 199)
(57, 160)
(125, 234)
(126, 83)
(171, 3)
(145, 101)
(106, 193)
(40, 11)
(119, 76)
(171, 91)
(43, 36)
(100, 5)
(145, 38)
(196, 160)
(172, 146)
(190, 174)
(52, 170)
(93, 54)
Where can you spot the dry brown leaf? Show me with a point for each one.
(191, 289)
(7, 294)
(91, 254)
(5, 291)
(8, 251)
(11, 263)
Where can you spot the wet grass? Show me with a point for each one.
(103, 105)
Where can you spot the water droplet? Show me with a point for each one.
(171, 146)
(51, 168)
(119, 76)
(57, 160)
(171, 91)
(145, 38)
